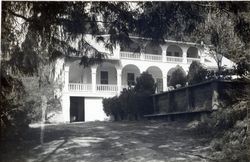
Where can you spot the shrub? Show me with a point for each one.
(178, 77)
(13, 114)
(112, 107)
(196, 73)
(133, 103)
(145, 83)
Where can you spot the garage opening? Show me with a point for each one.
(76, 109)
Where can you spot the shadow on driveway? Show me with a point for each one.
(111, 141)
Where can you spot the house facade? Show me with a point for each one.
(84, 88)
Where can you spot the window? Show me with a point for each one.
(169, 53)
(104, 77)
(176, 54)
(131, 78)
(159, 85)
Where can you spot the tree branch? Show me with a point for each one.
(18, 15)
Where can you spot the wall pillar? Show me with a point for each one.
(66, 78)
(215, 95)
(93, 78)
(164, 83)
(184, 55)
(66, 107)
(201, 54)
(119, 80)
(164, 52)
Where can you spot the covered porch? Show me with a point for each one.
(106, 78)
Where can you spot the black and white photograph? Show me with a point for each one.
(125, 81)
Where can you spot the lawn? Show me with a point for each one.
(110, 141)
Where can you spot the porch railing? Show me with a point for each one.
(151, 57)
(80, 87)
(106, 88)
(189, 60)
(130, 55)
(174, 59)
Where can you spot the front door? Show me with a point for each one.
(76, 109)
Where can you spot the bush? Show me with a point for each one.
(112, 106)
(196, 73)
(13, 114)
(178, 77)
(133, 103)
(145, 83)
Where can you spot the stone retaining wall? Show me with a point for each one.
(199, 97)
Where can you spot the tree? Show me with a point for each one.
(34, 34)
(178, 77)
(196, 73)
(133, 103)
(145, 83)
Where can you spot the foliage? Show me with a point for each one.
(178, 77)
(227, 128)
(13, 115)
(132, 103)
(243, 67)
(196, 73)
(145, 83)
(112, 106)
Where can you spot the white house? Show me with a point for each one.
(84, 88)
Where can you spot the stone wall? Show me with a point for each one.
(199, 97)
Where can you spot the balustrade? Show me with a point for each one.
(130, 55)
(150, 57)
(190, 60)
(174, 59)
(107, 87)
(79, 87)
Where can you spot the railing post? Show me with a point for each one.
(93, 78)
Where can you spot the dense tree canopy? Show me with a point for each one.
(49, 28)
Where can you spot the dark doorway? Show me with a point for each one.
(76, 109)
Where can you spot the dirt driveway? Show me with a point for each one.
(111, 141)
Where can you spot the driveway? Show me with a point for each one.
(112, 141)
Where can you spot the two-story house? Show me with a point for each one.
(84, 88)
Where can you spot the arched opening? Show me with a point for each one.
(79, 74)
(106, 74)
(129, 74)
(153, 48)
(131, 47)
(174, 50)
(170, 74)
(157, 75)
(192, 52)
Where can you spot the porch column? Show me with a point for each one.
(66, 78)
(93, 78)
(201, 54)
(164, 83)
(184, 56)
(65, 107)
(164, 52)
(119, 80)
